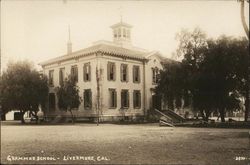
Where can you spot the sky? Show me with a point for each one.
(37, 30)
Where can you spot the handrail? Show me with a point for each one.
(163, 114)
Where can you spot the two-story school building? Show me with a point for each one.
(116, 79)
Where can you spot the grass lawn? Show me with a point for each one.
(123, 144)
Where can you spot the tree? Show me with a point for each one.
(22, 88)
(192, 45)
(68, 96)
(246, 29)
(222, 73)
(171, 85)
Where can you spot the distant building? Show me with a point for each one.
(115, 78)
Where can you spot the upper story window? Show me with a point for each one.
(155, 75)
(124, 72)
(112, 98)
(124, 33)
(87, 98)
(136, 74)
(137, 98)
(119, 33)
(115, 33)
(74, 72)
(86, 72)
(51, 77)
(124, 99)
(61, 76)
(111, 71)
(128, 33)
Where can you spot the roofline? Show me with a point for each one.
(121, 23)
(91, 53)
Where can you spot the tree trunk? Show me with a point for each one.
(72, 117)
(222, 114)
(243, 20)
(203, 115)
(247, 103)
(22, 116)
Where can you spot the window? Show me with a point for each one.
(137, 99)
(86, 72)
(119, 33)
(124, 32)
(155, 75)
(136, 74)
(128, 33)
(87, 96)
(111, 71)
(51, 77)
(124, 99)
(115, 33)
(61, 76)
(112, 98)
(124, 72)
(74, 72)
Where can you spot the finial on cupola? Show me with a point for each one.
(69, 45)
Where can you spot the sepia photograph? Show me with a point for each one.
(132, 82)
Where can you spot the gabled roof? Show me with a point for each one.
(109, 49)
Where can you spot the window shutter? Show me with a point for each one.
(139, 75)
(134, 99)
(90, 98)
(127, 98)
(127, 72)
(114, 72)
(90, 72)
(115, 98)
(76, 73)
(84, 72)
(122, 99)
(139, 99)
(84, 98)
(133, 73)
(121, 72)
(108, 71)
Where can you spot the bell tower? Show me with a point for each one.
(122, 33)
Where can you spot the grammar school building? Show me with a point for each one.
(115, 78)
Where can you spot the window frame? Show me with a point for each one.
(61, 76)
(51, 77)
(75, 75)
(109, 68)
(127, 99)
(85, 79)
(89, 105)
(137, 105)
(123, 66)
(112, 103)
(134, 74)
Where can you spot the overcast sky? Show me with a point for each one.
(38, 30)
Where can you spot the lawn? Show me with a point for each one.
(123, 144)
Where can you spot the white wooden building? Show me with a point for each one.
(126, 77)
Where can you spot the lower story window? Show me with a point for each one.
(124, 99)
(137, 99)
(112, 98)
(87, 96)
